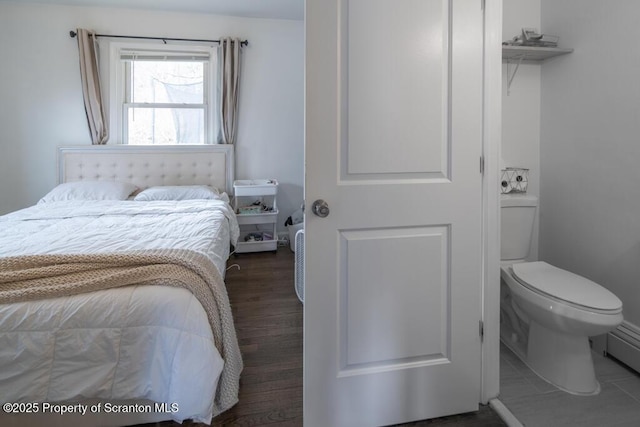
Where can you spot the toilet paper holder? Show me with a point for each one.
(514, 180)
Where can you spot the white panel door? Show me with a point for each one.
(393, 273)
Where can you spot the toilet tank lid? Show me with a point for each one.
(566, 286)
(512, 200)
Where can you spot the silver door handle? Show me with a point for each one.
(320, 208)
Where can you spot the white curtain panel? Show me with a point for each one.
(93, 101)
(228, 89)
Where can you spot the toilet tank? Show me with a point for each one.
(517, 215)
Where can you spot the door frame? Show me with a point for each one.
(492, 142)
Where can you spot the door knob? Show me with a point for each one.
(320, 208)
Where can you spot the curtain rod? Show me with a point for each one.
(164, 39)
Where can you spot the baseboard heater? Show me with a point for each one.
(623, 343)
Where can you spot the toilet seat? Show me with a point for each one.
(566, 288)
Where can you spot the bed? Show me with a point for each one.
(117, 312)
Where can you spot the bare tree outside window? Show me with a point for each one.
(166, 102)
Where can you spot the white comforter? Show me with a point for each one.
(136, 342)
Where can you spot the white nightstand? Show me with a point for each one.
(255, 205)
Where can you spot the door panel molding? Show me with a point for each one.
(382, 139)
(395, 298)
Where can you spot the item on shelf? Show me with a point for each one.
(514, 180)
(530, 37)
(254, 237)
(247, 210)
(254, 208)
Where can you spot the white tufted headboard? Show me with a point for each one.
(148, 165)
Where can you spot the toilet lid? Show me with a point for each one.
(566, 286)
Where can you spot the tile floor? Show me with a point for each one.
(537, 403)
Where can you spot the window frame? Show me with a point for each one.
(118, 79)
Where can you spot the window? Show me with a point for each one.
(163, 95)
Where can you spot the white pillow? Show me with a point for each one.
(90, 190)
(178, 192)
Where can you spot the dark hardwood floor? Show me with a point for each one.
(268, 319)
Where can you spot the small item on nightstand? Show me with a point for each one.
(253, 237)
(252, 209)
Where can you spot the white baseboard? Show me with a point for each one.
(623, 343)
(504, 413)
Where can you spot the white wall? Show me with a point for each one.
(590, 221)
(41, 103)
(521, 108)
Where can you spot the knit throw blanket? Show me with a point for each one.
(33, 277)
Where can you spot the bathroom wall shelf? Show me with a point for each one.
(533, 54)
(529, 53)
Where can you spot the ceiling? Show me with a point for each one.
(269, 9)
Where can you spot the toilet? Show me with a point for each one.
(546, 313)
